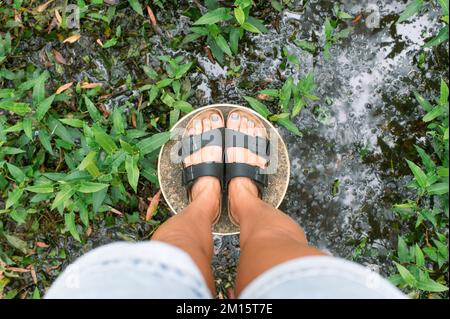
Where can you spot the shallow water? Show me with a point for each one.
(360, 138)
(348, 168)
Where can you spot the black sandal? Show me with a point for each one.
(193, 143)
(257, 145)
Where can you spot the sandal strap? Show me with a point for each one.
(255, 144)
(194, 143)
(255, 173)
(191, 173)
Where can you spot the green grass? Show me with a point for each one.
(222, 28)
(72, 164)
(422, 254)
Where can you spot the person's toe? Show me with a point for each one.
(198, 128)
(210, 153)
(232, 124)
(251, 132)
(233, 121)
(241, 155)
(206, 124)
(216, 121)
(243, 127)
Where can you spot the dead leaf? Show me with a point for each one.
(262, 96)
(133, 120)
(151, 16)
(209, 54)
(116, 211)
(104, 110)
(44, 6)
(357, 18)
(51, 24)
(17, 17)
(64, 87)
(100, 43)
(58, 17)
(89, 231)
(16, 269)
(41, 244)
(59, 58)
(52, 268)
(154, 201)
(140, 102)
(86, 85)
(72, 39)
(33, 274)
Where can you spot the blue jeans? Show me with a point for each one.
(155, 269)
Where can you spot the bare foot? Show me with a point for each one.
(240, 188)
(206, 188)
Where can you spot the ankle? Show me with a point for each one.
(242, 187)
(241, 191)
(206, 193)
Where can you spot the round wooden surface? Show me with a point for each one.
(169, 173)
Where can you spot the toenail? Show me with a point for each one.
(235, 116)
(205, 121)
(214, 117)
(197, 123)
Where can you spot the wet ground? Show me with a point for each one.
(348, 169)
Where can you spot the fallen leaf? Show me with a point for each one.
(16, 269)
(52, 268)
(58, 17)
(44, 6)
(151, 16)
(41, 244)
(51, 24)
(64, 87)
(89, 231)
(17, 17)
(154, 201)
(104, 110)
(262, 96)
(58, 57)
(85, 85)
(209, 54)
(140, 102)
(100, 43)
(33, 274)
(358, 17)
(133, 120)
(116, 211)
(72, 39)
